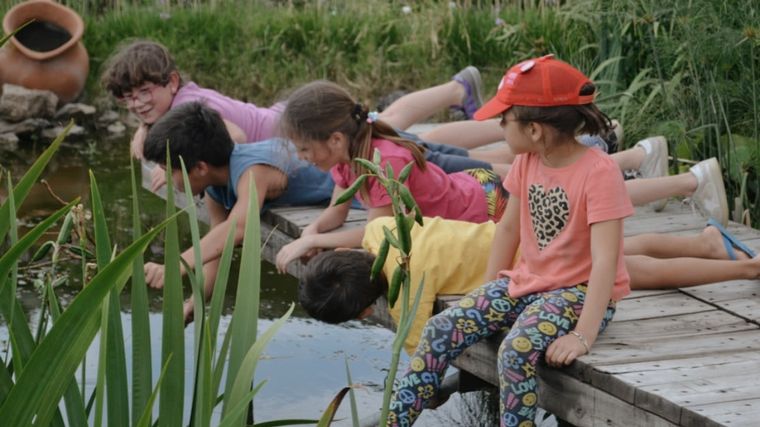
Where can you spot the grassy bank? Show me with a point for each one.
(685, 69)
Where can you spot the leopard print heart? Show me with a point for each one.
(549, 211)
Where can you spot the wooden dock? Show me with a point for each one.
(688, 357)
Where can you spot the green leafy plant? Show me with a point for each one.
(405, 212)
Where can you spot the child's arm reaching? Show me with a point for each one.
(351, 238)
(506, 240)
(605, 244)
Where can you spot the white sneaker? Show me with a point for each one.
(710, 196)
(655, 163)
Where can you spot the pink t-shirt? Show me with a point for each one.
(455, 196)
(557, 208)
(257, 123)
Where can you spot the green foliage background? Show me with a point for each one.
(683, 68)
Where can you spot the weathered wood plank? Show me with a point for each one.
(670, 304)
(743, 412)
(683, 325)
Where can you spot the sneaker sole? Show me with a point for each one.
(714, 169)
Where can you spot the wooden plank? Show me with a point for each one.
(673, 348)
(583, 405)
(670, 304)
(706, 322)
(738, 413)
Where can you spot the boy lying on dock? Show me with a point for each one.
(223, 170)
(335, 286)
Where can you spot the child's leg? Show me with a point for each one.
(706, 245)
(703, 184)
(653, 273)
(464, 89)
(501, 154)
(551, 315)
(481, 313)
(466, 134)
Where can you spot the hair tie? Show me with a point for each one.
(372, 117)
(359, 114)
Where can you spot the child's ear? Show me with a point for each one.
(365, 313)
(535, 131)
(337, 139)
(201, 168)
(174, 82)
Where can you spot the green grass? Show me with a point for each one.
(685, 68)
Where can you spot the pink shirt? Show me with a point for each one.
(257, 123)
(557, 208)
(455, 196)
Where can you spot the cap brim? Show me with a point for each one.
(492, 108)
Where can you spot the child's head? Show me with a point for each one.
(546, 91)
(329, 127)
(144, 78)
(194, 132)
(335, 285)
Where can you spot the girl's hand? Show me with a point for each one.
(292, 251)
(564, 350)
(138, 140)
(157, 178)
(154, 275)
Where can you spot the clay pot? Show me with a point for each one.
(46, 54)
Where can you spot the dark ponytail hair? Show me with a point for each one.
(569, 120)
(317, 109)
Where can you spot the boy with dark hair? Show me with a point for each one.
(223, 169)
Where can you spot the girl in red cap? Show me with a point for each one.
(565, 211)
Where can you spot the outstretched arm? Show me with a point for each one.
(351, 238)
(267, 179)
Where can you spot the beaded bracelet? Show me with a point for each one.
(582, 339)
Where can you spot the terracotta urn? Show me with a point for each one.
(48, 52)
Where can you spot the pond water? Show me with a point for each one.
(304, 364)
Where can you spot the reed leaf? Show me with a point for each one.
(238, 411)
(142, 376)
(116, 387)
(332, 408)
(197, 284)
(75, 410)
(245, 317)
(171, 402)
(247, 369)
(22, 188)
(9, 258)
(220, 283)
(147, 414)
(60, 352)
(352, 397)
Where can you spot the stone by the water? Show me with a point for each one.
(52, 133)
(77, 111)
(18, 103)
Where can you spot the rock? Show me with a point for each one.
(107, 118)
(52, 133)
(8, 141)
(27, 127)
(117, 128)
(18, 103)
(77, 111)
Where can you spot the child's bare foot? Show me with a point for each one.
(754, 270)
(716, 246)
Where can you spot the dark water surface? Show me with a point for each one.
(304, 364)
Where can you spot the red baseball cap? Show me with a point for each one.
(538, 82)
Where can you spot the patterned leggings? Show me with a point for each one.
(534, 321)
